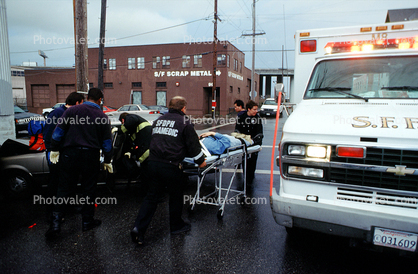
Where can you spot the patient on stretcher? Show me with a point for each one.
(217, 143)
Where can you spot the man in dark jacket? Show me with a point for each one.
(73, 99)
(76, 142)
(250, 123)
(173, 138)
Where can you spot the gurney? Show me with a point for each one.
(231, 159)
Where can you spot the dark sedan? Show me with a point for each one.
(22, 118)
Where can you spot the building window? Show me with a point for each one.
(161, 84)
(240, 67)
(231, 89)
(227, 60)
(161, 98)
(112, 64)
(131, 63)
(166, 62)
(221, 59)
(18, 73)
(136, 97)
(156, 62)
(141, 62)
(91, 85)
(186, 61)
(136, 84)
(108, 85)
(235, 64)
(239, 90)
(197, 61)
(104, 63)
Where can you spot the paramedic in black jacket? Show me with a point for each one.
(250, 123)
(76, 142)
(173, 139)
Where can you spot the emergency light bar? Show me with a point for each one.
(370, 45)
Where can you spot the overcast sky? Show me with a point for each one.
(48, 25)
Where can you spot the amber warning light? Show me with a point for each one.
(370, 45)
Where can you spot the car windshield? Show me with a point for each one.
(18, 109)
(270, 102)
(143, 107)
(364, 78)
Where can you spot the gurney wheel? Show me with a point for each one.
(220, 214)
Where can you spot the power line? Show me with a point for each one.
(148, 32)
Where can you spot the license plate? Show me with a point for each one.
(268, 114)
(395, 239)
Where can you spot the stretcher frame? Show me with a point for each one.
(233, 157)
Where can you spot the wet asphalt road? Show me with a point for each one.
(246, 240)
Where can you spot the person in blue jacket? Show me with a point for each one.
(73, 99)
(217, 143)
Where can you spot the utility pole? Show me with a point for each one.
(81, 45)
(102, 44)
(253, 34)
(215, 58)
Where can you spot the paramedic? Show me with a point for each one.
(76, 143)
(73, 99)
(173, 139)
(139, 133)
(239, 107)
(250, 123)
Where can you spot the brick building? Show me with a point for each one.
(151, 75)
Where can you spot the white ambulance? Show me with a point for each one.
(349, 151)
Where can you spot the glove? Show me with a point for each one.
(108, 167)
(54, 156)
(128, 154)
(114, 130)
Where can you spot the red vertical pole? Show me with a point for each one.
(279, 102)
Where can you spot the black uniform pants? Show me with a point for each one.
(251, 166)
(162, 176)
(83, 163)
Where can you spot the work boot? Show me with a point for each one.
(55, 226)
(137, 236)
(90, 223)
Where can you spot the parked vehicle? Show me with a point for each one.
(349, 152)
(141, 110)
(161, 109)
(107, 109)
(22, 171)
(138, 109)
(269, 108)
(47, 111)
(22, 118)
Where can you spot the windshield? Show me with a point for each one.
(363, 78)
(18, 109)
(270, 103)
